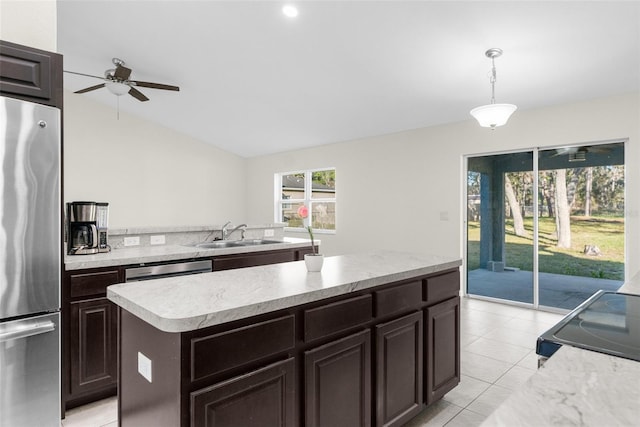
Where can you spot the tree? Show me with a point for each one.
(563, 214)
(545, 195)
(516, 212)
(587, 192)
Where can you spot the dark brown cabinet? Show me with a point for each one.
(399, 378)
(338, 383)
(228, 262)
(90, 336)
(443, 348)
(93, 349)
(30, 74)
(374, 356)
(262, 398)
(90, 327)
(253, 259)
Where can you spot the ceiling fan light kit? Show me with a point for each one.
(493, 115)
(117, 88)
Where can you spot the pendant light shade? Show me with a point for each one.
(493, 115)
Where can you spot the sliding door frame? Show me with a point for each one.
(536, 278)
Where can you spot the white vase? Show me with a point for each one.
(314, 261)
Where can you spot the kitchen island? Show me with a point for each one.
(371, 340)
(577, 387)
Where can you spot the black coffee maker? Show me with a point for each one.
(87, 228)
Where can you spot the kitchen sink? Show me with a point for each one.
(217, 244)
(254, 242)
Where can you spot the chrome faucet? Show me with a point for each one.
(224, 230)
(226, 233)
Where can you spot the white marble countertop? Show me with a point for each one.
(185, 303)
(577, 387)
(146, 254)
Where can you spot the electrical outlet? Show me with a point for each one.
(144, 366)
(132, 241)
(269, 232)
(157, 240)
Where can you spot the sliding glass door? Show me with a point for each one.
(581, 223)
(546, 227)
(499, 226)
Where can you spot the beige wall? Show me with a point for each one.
(150, 175)
(30, 23)
(421, 172)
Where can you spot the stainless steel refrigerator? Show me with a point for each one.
(30, 262)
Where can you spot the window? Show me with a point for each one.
(315, 189)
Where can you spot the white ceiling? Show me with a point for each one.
(254, 82)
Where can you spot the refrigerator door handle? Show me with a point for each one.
(28, 330)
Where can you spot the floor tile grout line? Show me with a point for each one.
(498, 360)
(456, 414)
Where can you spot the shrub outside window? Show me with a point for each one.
(315, 189)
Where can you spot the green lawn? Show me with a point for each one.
(605, 232)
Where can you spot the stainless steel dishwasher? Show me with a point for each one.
(148, 272)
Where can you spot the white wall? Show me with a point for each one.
(420, 171)
(30, 23)
(150, 175)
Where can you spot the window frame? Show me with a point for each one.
(307, 200)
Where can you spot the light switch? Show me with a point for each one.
(144, 366)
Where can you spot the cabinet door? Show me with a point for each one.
(262, 398)
(93, 341)
(442, 348)
(31, 74)
(399, 379)
(338, 383)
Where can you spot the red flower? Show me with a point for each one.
(303, 211)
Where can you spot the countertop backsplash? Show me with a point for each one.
(190, 234)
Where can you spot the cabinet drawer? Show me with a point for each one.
(88, 284)
(227, 350)
(398, 298)
(339, 316)
(440, 288)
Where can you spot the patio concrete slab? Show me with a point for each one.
(556, 290)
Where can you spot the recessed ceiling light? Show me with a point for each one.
(290, 10)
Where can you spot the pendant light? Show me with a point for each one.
(493, 115)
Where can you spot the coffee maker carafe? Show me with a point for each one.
(87, 228)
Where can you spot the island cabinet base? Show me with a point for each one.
(374, 357)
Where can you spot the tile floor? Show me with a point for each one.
(497, 356)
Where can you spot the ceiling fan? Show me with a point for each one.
(116, 80)
(579, 154)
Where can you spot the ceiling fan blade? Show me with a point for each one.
(89, 89)
(122, 73)
(82, 74)
(137, 94)
(154, 85)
